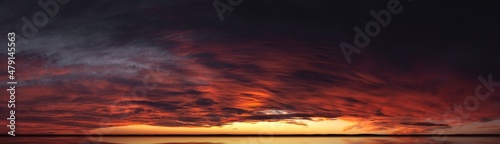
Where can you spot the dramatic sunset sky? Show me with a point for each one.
(271, 67)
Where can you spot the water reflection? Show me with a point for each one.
(246, 140)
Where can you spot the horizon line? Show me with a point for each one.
(244, 135)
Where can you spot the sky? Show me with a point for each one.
(270, 67)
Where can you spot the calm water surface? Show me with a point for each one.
(246, 140)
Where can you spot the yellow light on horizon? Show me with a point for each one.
(280, 127)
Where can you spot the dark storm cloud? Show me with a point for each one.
(217, 64)
(312, 76)
(205, 102)
(352, 100)
(233, 110)
(164, 93)
(164, 106)
(379, 113)
(138, 110)
(265, 55)
(189, 119)
(291, 116)
(485, 119)
(424, 124)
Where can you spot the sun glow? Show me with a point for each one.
(280, 127)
